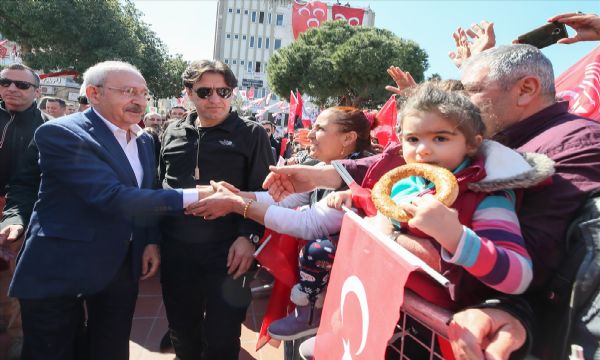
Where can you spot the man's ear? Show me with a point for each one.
(529, 89)
(92, 93)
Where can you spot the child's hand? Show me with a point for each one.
(338, 198)
(436, 220)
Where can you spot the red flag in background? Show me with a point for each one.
(280, 257)
(250, 93)
(361, 310)
(308, 15)
(387, 120)
(299, 108)
(580, 85)
(351, 15)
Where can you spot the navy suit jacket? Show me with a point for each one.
(88, 210)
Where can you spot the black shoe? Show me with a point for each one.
(165, 343)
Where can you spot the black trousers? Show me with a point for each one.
(205, 306)
(54, 328)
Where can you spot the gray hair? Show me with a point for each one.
(454, 106)
(508, 64)
(96, 75)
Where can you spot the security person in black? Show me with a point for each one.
(204, 261)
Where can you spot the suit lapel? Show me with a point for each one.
(147, 161)
(105, 137)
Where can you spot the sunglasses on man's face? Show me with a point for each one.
(205, 92)
(22, 85)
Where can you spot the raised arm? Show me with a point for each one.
(587, 26)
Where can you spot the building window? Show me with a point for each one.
(279, 21)
(234, 61)
(250, 66)
(259, 42)
(228, 36)
(241, 62)
(243, 37)
(236, 36)
(277, 44)
(251, 41)
(237, 11)
(226, 61)
(269, 17)
(230, 10)
(257, 67)
(245, 12)
(261, 17)
(267, 42)
(253, 16)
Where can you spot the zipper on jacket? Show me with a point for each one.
(5, 130)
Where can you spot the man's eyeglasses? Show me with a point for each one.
(129, 92)
(22, 85)
(205, 92)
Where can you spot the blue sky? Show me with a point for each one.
(187, 27)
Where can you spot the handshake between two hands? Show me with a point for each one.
(216, 200)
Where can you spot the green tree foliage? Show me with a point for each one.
(341, 64)
(75, 34)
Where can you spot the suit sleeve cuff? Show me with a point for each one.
(189, 196)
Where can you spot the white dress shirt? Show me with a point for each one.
(131, 151)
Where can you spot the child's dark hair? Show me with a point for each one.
(453, 106)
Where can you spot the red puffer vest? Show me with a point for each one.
(464, 288)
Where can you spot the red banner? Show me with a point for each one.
(308, 15)
(361, 309)
(280, 258)
(352, 16)
(387, 118)
(580, 85)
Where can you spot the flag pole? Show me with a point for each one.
(398, 249)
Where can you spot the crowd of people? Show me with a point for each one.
(186, 195)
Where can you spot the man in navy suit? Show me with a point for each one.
(93, 229)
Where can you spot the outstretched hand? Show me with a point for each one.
(477, 38)
(403, 80)
(587, 26)
(286, 180)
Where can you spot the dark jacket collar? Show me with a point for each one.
(228, 124)
(525, 129)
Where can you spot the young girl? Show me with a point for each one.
(480, 233)
(476, 244)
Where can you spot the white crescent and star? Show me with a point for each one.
(354, 285)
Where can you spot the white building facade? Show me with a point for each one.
(248, 32)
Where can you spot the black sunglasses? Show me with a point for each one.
(205, 92)
(23, 85)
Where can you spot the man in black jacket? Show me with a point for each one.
(204, 261)
(19, 118)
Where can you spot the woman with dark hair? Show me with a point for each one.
(338, 133)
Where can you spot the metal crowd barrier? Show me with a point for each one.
(418, 332)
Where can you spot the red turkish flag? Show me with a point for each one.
(352, 16)
(308, 15)
(364, 296)
(250, 93)
(387, 116)
(280, 257)
(580, 85)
